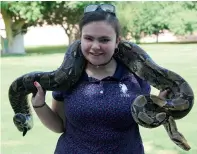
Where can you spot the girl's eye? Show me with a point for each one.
(104, 40)
(88, 38)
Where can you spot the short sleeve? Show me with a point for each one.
(58, 95)
(145, 87)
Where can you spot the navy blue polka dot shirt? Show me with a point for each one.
(98, 116)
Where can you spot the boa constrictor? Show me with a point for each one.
(149, 111)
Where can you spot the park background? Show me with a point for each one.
(35, 35)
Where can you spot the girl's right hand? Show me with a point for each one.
(39, 98)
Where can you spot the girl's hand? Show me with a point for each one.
(163, 94)
(39, 98)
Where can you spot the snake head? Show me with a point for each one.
(23, 122)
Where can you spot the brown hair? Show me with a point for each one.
(100, 16)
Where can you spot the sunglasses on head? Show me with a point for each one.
(104, 7)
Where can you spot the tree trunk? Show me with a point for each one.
(68, 31)
(8, 23)
(4, 45)
(70, 39)
(72, 32)
(77, 33)
(15, 43)
(157, 37)
(137, 39)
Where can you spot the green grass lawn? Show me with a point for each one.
(179, 58)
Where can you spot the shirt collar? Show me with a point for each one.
(120, 71)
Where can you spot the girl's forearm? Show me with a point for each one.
(50, 119)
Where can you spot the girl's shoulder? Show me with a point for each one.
(127, 75)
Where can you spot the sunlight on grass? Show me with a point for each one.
(181, 59)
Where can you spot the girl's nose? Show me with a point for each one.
(95, 45)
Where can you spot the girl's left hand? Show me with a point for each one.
(163, 94)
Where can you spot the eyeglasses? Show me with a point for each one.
(104, 7)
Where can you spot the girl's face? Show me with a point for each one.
(98, 42)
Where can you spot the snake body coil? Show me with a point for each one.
(147, 110)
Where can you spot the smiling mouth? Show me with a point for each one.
(96, 54)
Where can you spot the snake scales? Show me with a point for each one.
(149, 111)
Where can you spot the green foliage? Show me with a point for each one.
(191, 5)
(146, 18)
(183, 19)
(64, 13)
(18, 16)
(30, 11)
(137, 18)
(153, 21)
(27, 12)
(59, 12)
(4, 5)
(127, 13)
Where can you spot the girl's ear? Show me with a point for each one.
(118, 41)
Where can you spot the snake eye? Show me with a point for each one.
(19, 118)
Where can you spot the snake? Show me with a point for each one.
(148, 110)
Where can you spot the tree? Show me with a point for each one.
(139, 19)
(63, 13)
(130, 19)
(147, 18)
(67, 14)
(153, 18)
(18, 16)
(183, 18)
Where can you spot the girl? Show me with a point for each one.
(95, 116)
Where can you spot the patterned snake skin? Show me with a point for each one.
(149, 111)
